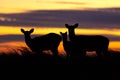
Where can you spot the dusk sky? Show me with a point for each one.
(10, 6)
(94, 17)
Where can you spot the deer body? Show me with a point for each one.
(91, 43)
(85, 43)
(46, 42)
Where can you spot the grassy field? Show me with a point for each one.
(27, 57)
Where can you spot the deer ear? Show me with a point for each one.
(66, 25)
(31, 30)
(60, 32)
(66, 32)
(22, 30)
(76, 25)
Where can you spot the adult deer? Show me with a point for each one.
(85, 43)
(46, 42)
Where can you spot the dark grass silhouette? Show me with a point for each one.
(49, 41)
(30, 58)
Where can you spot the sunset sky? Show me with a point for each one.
(9, 6)
(94, 17)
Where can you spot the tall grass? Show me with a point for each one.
(25, 56)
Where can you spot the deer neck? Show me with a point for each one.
(28, 40)
(64, 40)
(71, 34)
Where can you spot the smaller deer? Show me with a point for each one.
(70, 49)
(66, 44)
(49, 41)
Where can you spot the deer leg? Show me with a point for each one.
(99, 54)
(106, 53)
(55, 52)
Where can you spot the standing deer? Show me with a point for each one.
(85, 43)
(66, 44)
(46, 42)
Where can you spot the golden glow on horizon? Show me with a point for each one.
(45, 30)
(115, 45)
(11, 6)
(11, 47)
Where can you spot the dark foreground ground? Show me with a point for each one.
(88, 62)
(44, 65)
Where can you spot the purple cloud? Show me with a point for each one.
(57, 18)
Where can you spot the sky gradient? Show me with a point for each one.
(9, 6)
(95, 17)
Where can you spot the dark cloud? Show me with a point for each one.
(57, 18)
(113, 37)
(114, 10)
(9, 38)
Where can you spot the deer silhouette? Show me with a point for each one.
(85, 43)
(49, 41)
(72, 57)
(66, 44)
